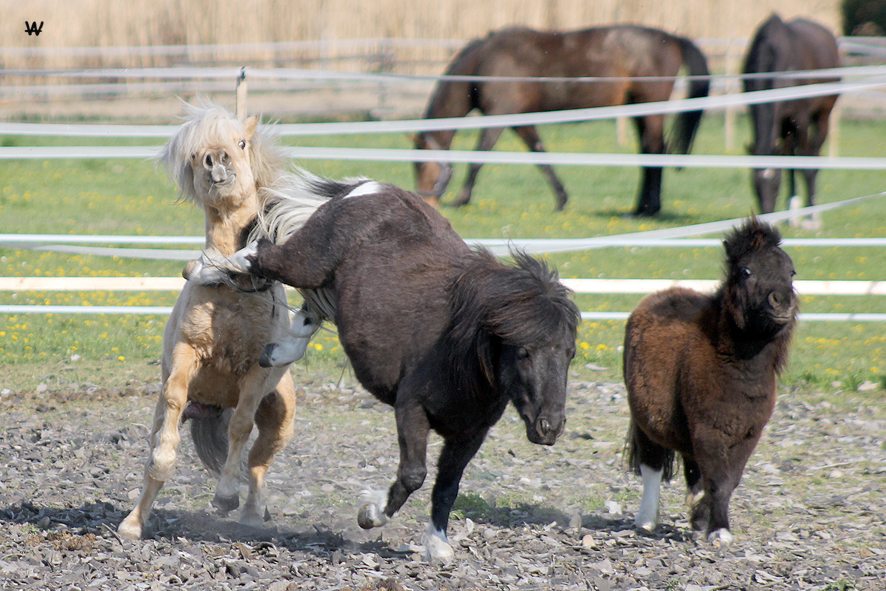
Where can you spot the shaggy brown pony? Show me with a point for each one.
(701, 376)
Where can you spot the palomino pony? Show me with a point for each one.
(215, 335)
(444, 334)
(621, 54)
(788, 128)
(701, 376)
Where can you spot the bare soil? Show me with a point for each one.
(808, 514)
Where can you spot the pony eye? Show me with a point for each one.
(746, 272)
(242, 144)
(522, 353)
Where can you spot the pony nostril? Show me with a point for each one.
(775, 299)
(544, 427)
(208, 161)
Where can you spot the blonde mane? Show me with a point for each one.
(285, 198)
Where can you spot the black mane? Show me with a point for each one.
(519, 303)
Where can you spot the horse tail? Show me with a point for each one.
(687, 122)
(632, 453)
(210, 435)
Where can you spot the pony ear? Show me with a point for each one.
(250, 124)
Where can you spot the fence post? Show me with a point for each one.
(834, 129)
(241, 95)
(730, 68)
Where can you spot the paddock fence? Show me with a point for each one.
(856, 79)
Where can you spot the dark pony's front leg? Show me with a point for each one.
(453, 460)
(412, 433)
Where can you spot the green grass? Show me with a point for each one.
(130, 197)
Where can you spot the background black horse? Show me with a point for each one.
(444, 334)
(622, 51)
(788, 128)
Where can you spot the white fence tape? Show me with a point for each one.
(467, 156)
(582, 286)
(413, 126)
(166, 310)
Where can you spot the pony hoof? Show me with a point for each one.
(252, 519)
(266, 359)
(721, 537)
(646, 525)
(437, 548)
(130, 529)
(371, 516)
(225, 504)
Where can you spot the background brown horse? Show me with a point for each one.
(700, 372)
(788, 128)
(622, 51)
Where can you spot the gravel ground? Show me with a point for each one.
(808, 514)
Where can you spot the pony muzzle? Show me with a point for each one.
(546, 430)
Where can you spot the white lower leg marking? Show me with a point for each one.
(647, 515)
(372, 513)
(238, 261)
(722, 535)
(367, 188)
(436, 545)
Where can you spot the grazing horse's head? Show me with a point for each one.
(767, 182)
(759, 290)
(214, 156)
(431, 178)
(519, 324)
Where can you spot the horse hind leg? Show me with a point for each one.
(654, 463)
(274, 420)
(651, 132)
(252, 390)
(163, 441)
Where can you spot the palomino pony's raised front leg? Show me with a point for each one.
(164, 439)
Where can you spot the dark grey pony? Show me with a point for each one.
(788, 128)
(445, 334)
(701, 375)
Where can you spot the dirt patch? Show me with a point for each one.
(808, 514)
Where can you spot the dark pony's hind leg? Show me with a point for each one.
(451, 465)
(651, 132)
(530, 136)
(488, 138)
(654, 463)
